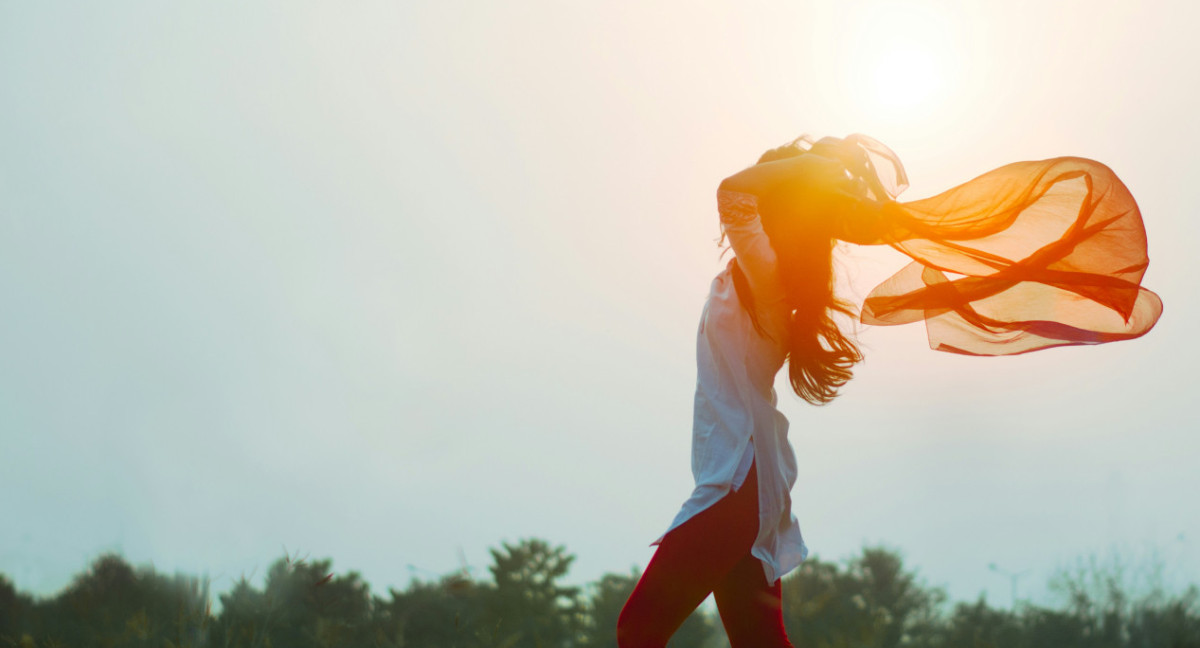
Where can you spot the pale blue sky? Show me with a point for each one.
(379, 281)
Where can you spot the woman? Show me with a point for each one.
(735, 537)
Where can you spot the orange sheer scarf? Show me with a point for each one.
(1025, 257)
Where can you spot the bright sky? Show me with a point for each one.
(383, 282)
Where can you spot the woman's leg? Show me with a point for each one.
(751, 610)
(691, 560)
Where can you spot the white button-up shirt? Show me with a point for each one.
(736, 420)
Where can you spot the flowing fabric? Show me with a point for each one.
(1028, 256)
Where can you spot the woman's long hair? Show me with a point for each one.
(820, 356)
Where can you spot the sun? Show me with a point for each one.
(902, 59)
(905, 77)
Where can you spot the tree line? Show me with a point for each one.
(868, 601)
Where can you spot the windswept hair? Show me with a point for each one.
(820, 355)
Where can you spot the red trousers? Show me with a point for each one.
(710, 553)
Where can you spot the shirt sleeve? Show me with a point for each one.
(741, 224)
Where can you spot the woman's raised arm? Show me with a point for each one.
(804, 183)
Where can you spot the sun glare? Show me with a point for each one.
(903, 56)
(905, 77)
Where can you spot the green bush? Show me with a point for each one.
(870, 601)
